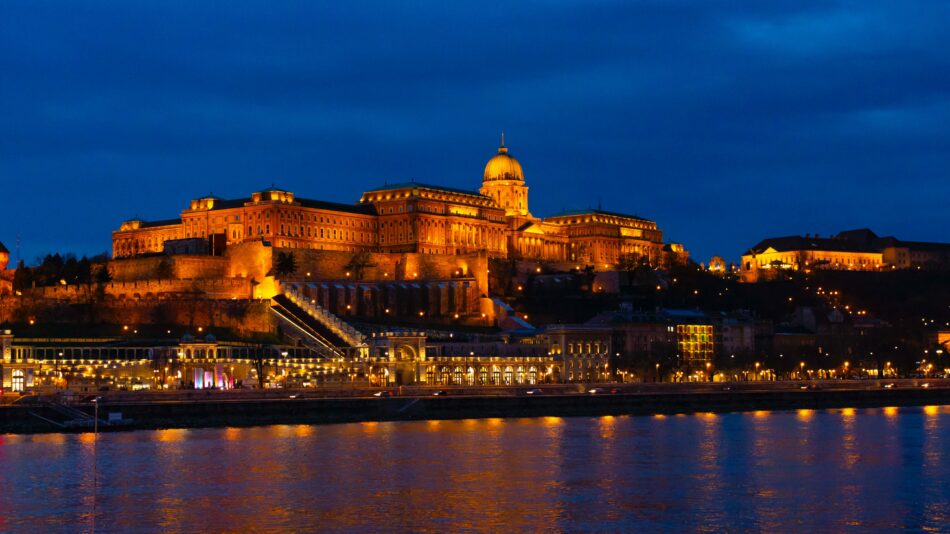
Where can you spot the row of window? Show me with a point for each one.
(591, 348)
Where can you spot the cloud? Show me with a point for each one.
(726, 123)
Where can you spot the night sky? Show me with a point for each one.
(724, 123)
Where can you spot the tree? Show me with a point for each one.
(164, 269)
(23, 277)
(286, 264)
(358, 264)
(259, 364)
(102, 275)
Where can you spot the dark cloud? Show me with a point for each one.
(724, 121)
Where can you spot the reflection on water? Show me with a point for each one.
(775, 471)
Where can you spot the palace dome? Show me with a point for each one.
(503, 166)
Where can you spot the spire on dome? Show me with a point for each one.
(502, 149)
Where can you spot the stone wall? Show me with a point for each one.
(381, 267)
(209, 288)
(182, 266)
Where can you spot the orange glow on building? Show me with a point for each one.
(407, 217)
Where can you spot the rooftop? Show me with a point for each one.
(164, 222)
(591, 211)
(796, 242)
(336, 206)
(419, 185)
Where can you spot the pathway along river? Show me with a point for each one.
(803, 470)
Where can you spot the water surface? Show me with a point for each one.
(809, 470)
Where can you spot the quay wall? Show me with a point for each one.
(216, 413)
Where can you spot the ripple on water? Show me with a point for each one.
(802, 470)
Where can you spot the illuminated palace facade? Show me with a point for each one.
(852, 250)
(409, 217)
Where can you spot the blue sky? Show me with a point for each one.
(726, 122)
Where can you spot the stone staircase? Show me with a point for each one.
(338, 327)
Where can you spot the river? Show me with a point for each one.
(815, 471)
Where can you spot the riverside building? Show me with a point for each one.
(560, 354)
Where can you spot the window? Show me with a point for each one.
(19, 380)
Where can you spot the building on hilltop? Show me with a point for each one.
(407, 217)
(852, 250)
(6, 275)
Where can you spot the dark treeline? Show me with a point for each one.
(56, 269)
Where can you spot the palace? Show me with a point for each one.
(853, 250)
(6, 275)
(406, 217)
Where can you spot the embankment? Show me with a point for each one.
(285, 410)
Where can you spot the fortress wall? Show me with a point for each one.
(182, 266)
(209, 288)
(250, 260)
(332, 265)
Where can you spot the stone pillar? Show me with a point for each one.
(6, 346)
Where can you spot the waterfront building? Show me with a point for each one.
(407, 217)
(582, 351)
(559, 354)
(853, 250)
(682, 344)
(406, 358)
(15, 376)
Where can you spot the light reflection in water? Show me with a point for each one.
(815, 470)
(607, 425)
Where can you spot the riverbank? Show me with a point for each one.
(219, 409)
